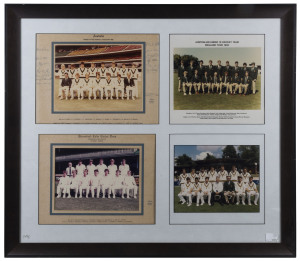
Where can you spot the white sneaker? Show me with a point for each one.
(122, 196)
(249, 204)
(197, 204)
(86, 196)
(106, 98)
(127, 196)
(220, 93)
(184, 94)
(58, 196)
(75, 196)
(243, 203)
(95, 98)
(89, 98)
(190, 94)
(237, 203)
(255, 202)
(114, 196)
(134, 197)
(108, 197)
(69, 196)
(103, 196)
(183, 202)
(202, 204)
(189, 204)
(133, 98)
(209, 204)
(64, 196)
(226, 93)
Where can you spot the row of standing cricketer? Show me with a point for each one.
(217, 186)
(111, 179)
(214, 78)
(108, 81)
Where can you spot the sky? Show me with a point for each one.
(199, 152)
(246, 54)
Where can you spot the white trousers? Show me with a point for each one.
(194, 194)
(111, 89)
(188, 85)
(115, 188)
(104, 188)
(227, 85)
(245, 86)
(253, 86)
(236, 87)
(75, 188)
(252, 193)
(100, 89)
(119, 89)
(182, 196)
(136, 88)
(203, 195)
(76, 90)
(61, 189)
(87, 190)
(206, 85)
(213, 85)
(240, 195)
(63, 91)
(128, 188)
(97, 191)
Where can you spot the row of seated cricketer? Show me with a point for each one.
(100, 178)
(111, 82)
(217, 186)
(215, 78)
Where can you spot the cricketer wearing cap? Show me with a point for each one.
(63, 184)
(95, 183)
(206, 191)
(129, 183)
(106, 183)
(217, 192)
(74, 184)
(119, 86)
(84, 184)
(124, 168)
(70, 169)
(101, 167)
(251, 190)
(61, 74)
(240, 191)
(80, 168)
(90, 167)
(76, 86)
(229, 190)
(82, 70)
(195, 192)
(253, 76)
(185, 191)
(223, 174)
(182, 178)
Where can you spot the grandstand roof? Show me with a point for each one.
(99, 50)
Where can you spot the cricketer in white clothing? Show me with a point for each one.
(106, 183)
(101, 167)
(63, 184)
(193, 175)
(195, 191)
(82, 70)
(212, 174)
(234, 174)
(245, 176)
(80, 168)
(252, 191)
(85, 184)
(240, 191)
(117, 184)
(90, 167)
(74, 184)
(206, 191)
(76, 86)
(202, 175)
(119, 86)
(222, 174)
(182, 178)
(95, 183)
(129, 183)
(61, 74)
(124, 168)
(112, 167)
(185, 191)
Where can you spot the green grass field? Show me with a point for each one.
(179, 208)
(97, 105)
(216, 101)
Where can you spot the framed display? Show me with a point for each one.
(162, 130)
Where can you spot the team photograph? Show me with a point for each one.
(216, 178)
(97, 179)
(104, 78)
(217, 78)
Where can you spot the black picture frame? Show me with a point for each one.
(287, 15)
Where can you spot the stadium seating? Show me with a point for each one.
(115, 48)
(133, 47)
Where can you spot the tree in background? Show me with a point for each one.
(186, 59)
(229, 152)
(209, 157)
(184, 160)
(249, 153)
